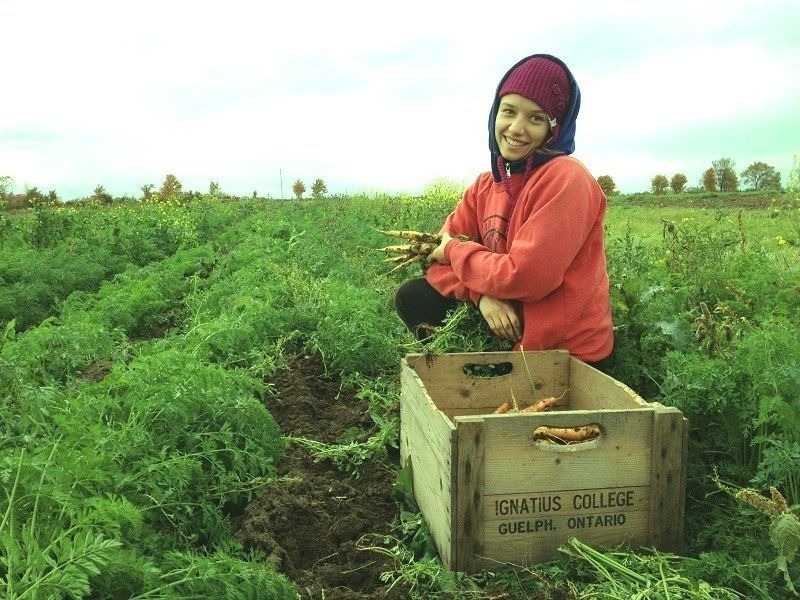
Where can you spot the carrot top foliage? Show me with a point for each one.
(139, 340)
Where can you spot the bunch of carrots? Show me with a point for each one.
(419, 247)
(417, 250)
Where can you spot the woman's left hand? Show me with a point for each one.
(501, 317)
(438, 254)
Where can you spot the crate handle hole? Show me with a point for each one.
(488, 370)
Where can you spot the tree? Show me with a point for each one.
(147, 191)
(101, 195)
(33, 195)
(678, 182)
(724, 169)
(6, 224)
(171, 188)
(607, 184)
(729, 182)
(214, 189)
(299, 189)
(793, 181)
(318, 189)
(761, 176)
(6, 186)
(709, 180)
(659, 184)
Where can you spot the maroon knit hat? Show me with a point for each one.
(543, 81)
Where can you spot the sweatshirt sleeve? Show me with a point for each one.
(564, 204)
(462, 221)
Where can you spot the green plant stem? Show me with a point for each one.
(187, 576)
(528, 371)
(664, 580)
(598, 558)
(41, 482)
(11, 497)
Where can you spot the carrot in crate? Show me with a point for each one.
(541, 405)
(567, 435)
(503, 408)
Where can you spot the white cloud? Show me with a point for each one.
(687, 86)
(364, 96)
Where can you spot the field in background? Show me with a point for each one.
(143, 344)
(763, 217)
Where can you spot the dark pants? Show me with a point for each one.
(421, 307)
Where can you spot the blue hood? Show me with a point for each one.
(564, 144)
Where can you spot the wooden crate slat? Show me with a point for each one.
(445, 380)
(591, 389)
(514, 460)
(428, 438)
(668, 479)
(468, 530)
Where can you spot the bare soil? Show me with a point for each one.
(310, 523)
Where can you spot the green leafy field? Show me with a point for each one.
(139, 339)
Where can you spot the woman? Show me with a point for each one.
(534, 262)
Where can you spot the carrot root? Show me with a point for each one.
(503, 408)
(414, 236)
(541, 405)
(568, 435)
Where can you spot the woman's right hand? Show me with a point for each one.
(438, 253)
(501, 317)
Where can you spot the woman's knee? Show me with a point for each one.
(417, 303)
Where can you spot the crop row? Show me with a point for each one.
(132, 427)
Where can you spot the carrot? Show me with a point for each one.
(414, 236)
(541, 405)
(568, 435)
(414, 248)
(510, 406)
(503, 408)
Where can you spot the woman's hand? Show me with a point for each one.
(501, 317)
(438, 254)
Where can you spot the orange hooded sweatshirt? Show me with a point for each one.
(536, 239)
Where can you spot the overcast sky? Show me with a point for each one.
(379, 96)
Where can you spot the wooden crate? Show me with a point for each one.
(489, 492)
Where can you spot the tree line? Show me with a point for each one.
(171, 189)
(719, 177)
(318, 189)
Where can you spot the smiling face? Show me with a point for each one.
(521, 126)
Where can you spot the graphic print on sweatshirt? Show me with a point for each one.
(494, 232)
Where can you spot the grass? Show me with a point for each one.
(771, 229)
(239, 282)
